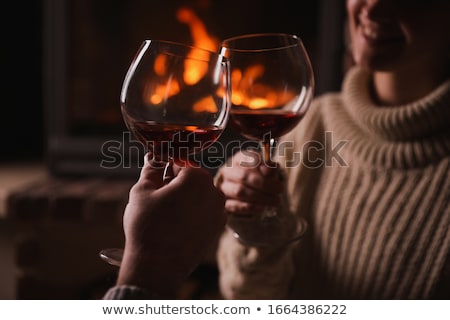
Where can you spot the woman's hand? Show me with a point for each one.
(249, 184)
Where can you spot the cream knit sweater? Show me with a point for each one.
(376, 198)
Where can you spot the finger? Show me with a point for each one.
(239, 191)
(151, 173)
(270, 170)
(247, 159)
(241, 207)
(254, 179)
(254, 173)
(150, 160)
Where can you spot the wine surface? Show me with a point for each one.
(174, 141)
(256, 124)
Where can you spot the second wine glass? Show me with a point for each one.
(175, 99)
(272, 88)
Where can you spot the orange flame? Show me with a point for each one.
(205, 104)
(201, 39)
(194, 70)
(246, 91)
(160, 65)
(200, 36)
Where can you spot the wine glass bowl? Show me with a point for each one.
(175, 99)
(272, 88)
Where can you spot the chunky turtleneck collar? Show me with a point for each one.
(404, 136)
(420, 119)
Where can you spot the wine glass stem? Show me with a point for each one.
(168, 172)
(268, 147)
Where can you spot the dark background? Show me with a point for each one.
(25, 113)
(22, 128)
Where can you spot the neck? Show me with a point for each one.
(400, 87)
(389, 89)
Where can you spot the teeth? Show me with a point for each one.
(370, 33)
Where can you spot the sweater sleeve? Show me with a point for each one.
(125, 292)
(253, 272)
(249, 272)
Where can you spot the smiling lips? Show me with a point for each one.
(380, 35)
(381, 32)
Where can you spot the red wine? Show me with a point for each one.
(256, 124)
(174, 141)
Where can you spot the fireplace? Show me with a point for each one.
(90, 44)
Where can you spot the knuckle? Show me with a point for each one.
(240, 192)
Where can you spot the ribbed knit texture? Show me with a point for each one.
(378, 213)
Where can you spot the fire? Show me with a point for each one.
(200, 39)
(160, 65)
(200, 36)
(205, 104)
(194, 70)
(170, 88)
(156, 95)
(246, 91)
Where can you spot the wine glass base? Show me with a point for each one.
(113, 256)
(269, 231)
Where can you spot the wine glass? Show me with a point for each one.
(175, 99)
(272, 88)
